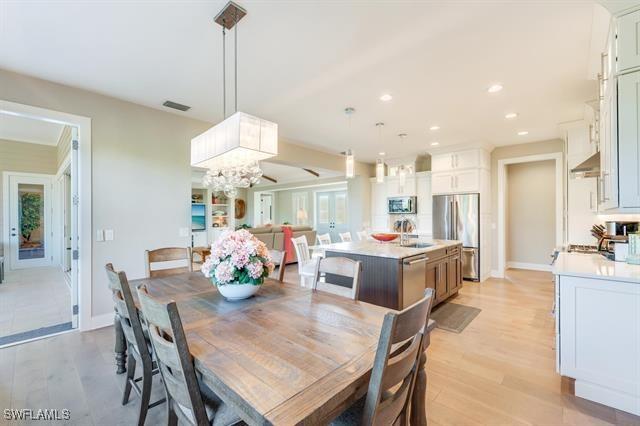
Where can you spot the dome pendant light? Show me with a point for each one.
(402, 171)
(380, 161)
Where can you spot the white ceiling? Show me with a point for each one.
(301, 63)
(21, 129)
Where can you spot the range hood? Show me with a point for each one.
(589, 168)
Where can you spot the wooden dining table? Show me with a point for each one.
(288, 355)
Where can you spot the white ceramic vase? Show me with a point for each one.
(233, 292)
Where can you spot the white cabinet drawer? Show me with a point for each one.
(629, 41)
(456, 160)
(458, 181)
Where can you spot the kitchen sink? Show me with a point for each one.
(417, 245)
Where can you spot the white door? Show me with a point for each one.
(266, 209)
(30, 220)
(73, 205)
(331, 213)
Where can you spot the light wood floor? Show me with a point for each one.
(499, 371)
(33, 298)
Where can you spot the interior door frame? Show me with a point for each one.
(7, 192)
(502, 189)
(82, 144)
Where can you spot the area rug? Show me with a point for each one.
(454, 317)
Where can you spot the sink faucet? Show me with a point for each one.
(403, 236)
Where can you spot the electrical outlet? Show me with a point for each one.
(108, 234)
(99, 235)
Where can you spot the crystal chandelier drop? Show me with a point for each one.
(380, 161)
(232, 148)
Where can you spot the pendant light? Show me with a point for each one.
(402, 171)
(349, 159)
(380, 161)
(232, 148)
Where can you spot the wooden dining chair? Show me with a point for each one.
(137, 344)
(306, 263)
(363, 235)
(345, 237)
(324, 239)
(394, 370)
(166, 255)
(188, 399)
(329, 267)
(279, 258)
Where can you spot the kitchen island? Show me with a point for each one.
(396, 276)
(598, 328)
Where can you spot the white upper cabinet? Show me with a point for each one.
(609, 152)
(456, 181)
(395, 189)
(473, 158)
(628, 41)
(629, 139)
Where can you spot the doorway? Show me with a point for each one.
(331, 213)
(39, 292)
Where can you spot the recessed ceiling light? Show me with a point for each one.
(511, 115)
(435, 143)
(382, 153)
(386, 97)
(494, 88)
(523, 133)
(434, 128)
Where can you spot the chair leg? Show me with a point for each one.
(145, 396)
(131, 371)
(172, 418)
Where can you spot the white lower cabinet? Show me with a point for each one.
(599, 339)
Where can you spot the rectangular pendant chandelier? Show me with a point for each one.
(238, 140)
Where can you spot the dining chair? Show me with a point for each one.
(324, 239)
(330, 267)
(168, 255)
(137, 344)
(306, 263)
(345, 237)
(188, 399)
(363, 235)
(394, 370)
(279, 258)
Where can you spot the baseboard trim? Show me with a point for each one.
(100, 321)
(496, 274)
(529, 266)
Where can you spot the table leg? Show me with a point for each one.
(120, 346)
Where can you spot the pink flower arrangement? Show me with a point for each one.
(238, 257)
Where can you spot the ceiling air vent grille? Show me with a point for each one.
(175, 105)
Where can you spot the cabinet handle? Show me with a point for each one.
(604, 186)
(590, 200)
(452, 166)
(456, 155)
(603, 55)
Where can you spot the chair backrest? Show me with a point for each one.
(301, 246)
(363, 235)
(396, 363)
(324, 239)
(279, 258)
(173, 357)
(126, 309)
(345, 237)
(168, 254)
(340, 266)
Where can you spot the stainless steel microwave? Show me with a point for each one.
(402, 205)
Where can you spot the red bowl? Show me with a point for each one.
(384, 237)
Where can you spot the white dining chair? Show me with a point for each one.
(363, 235)
(338, 266)
(345, 237)
(324, 239)
(306, 263)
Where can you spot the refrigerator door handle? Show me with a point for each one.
(452, 221)
(456, 219)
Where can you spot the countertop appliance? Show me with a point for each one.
(457, 217)
(621, 228)
(402, 205)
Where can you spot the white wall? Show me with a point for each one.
(141, 174)
(530, 203)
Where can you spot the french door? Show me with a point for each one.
(30, 220)
(332, 213)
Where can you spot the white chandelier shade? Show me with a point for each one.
(238, 140)
(379, 170)
(350, 171)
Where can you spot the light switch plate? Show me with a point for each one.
(108, 234)
(100, 235)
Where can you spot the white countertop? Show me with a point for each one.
(390, 250)
(595, 266)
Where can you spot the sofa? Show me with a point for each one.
(273, 237)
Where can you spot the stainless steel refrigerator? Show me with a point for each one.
(457, 217)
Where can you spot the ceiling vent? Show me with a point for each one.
(175, 105)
